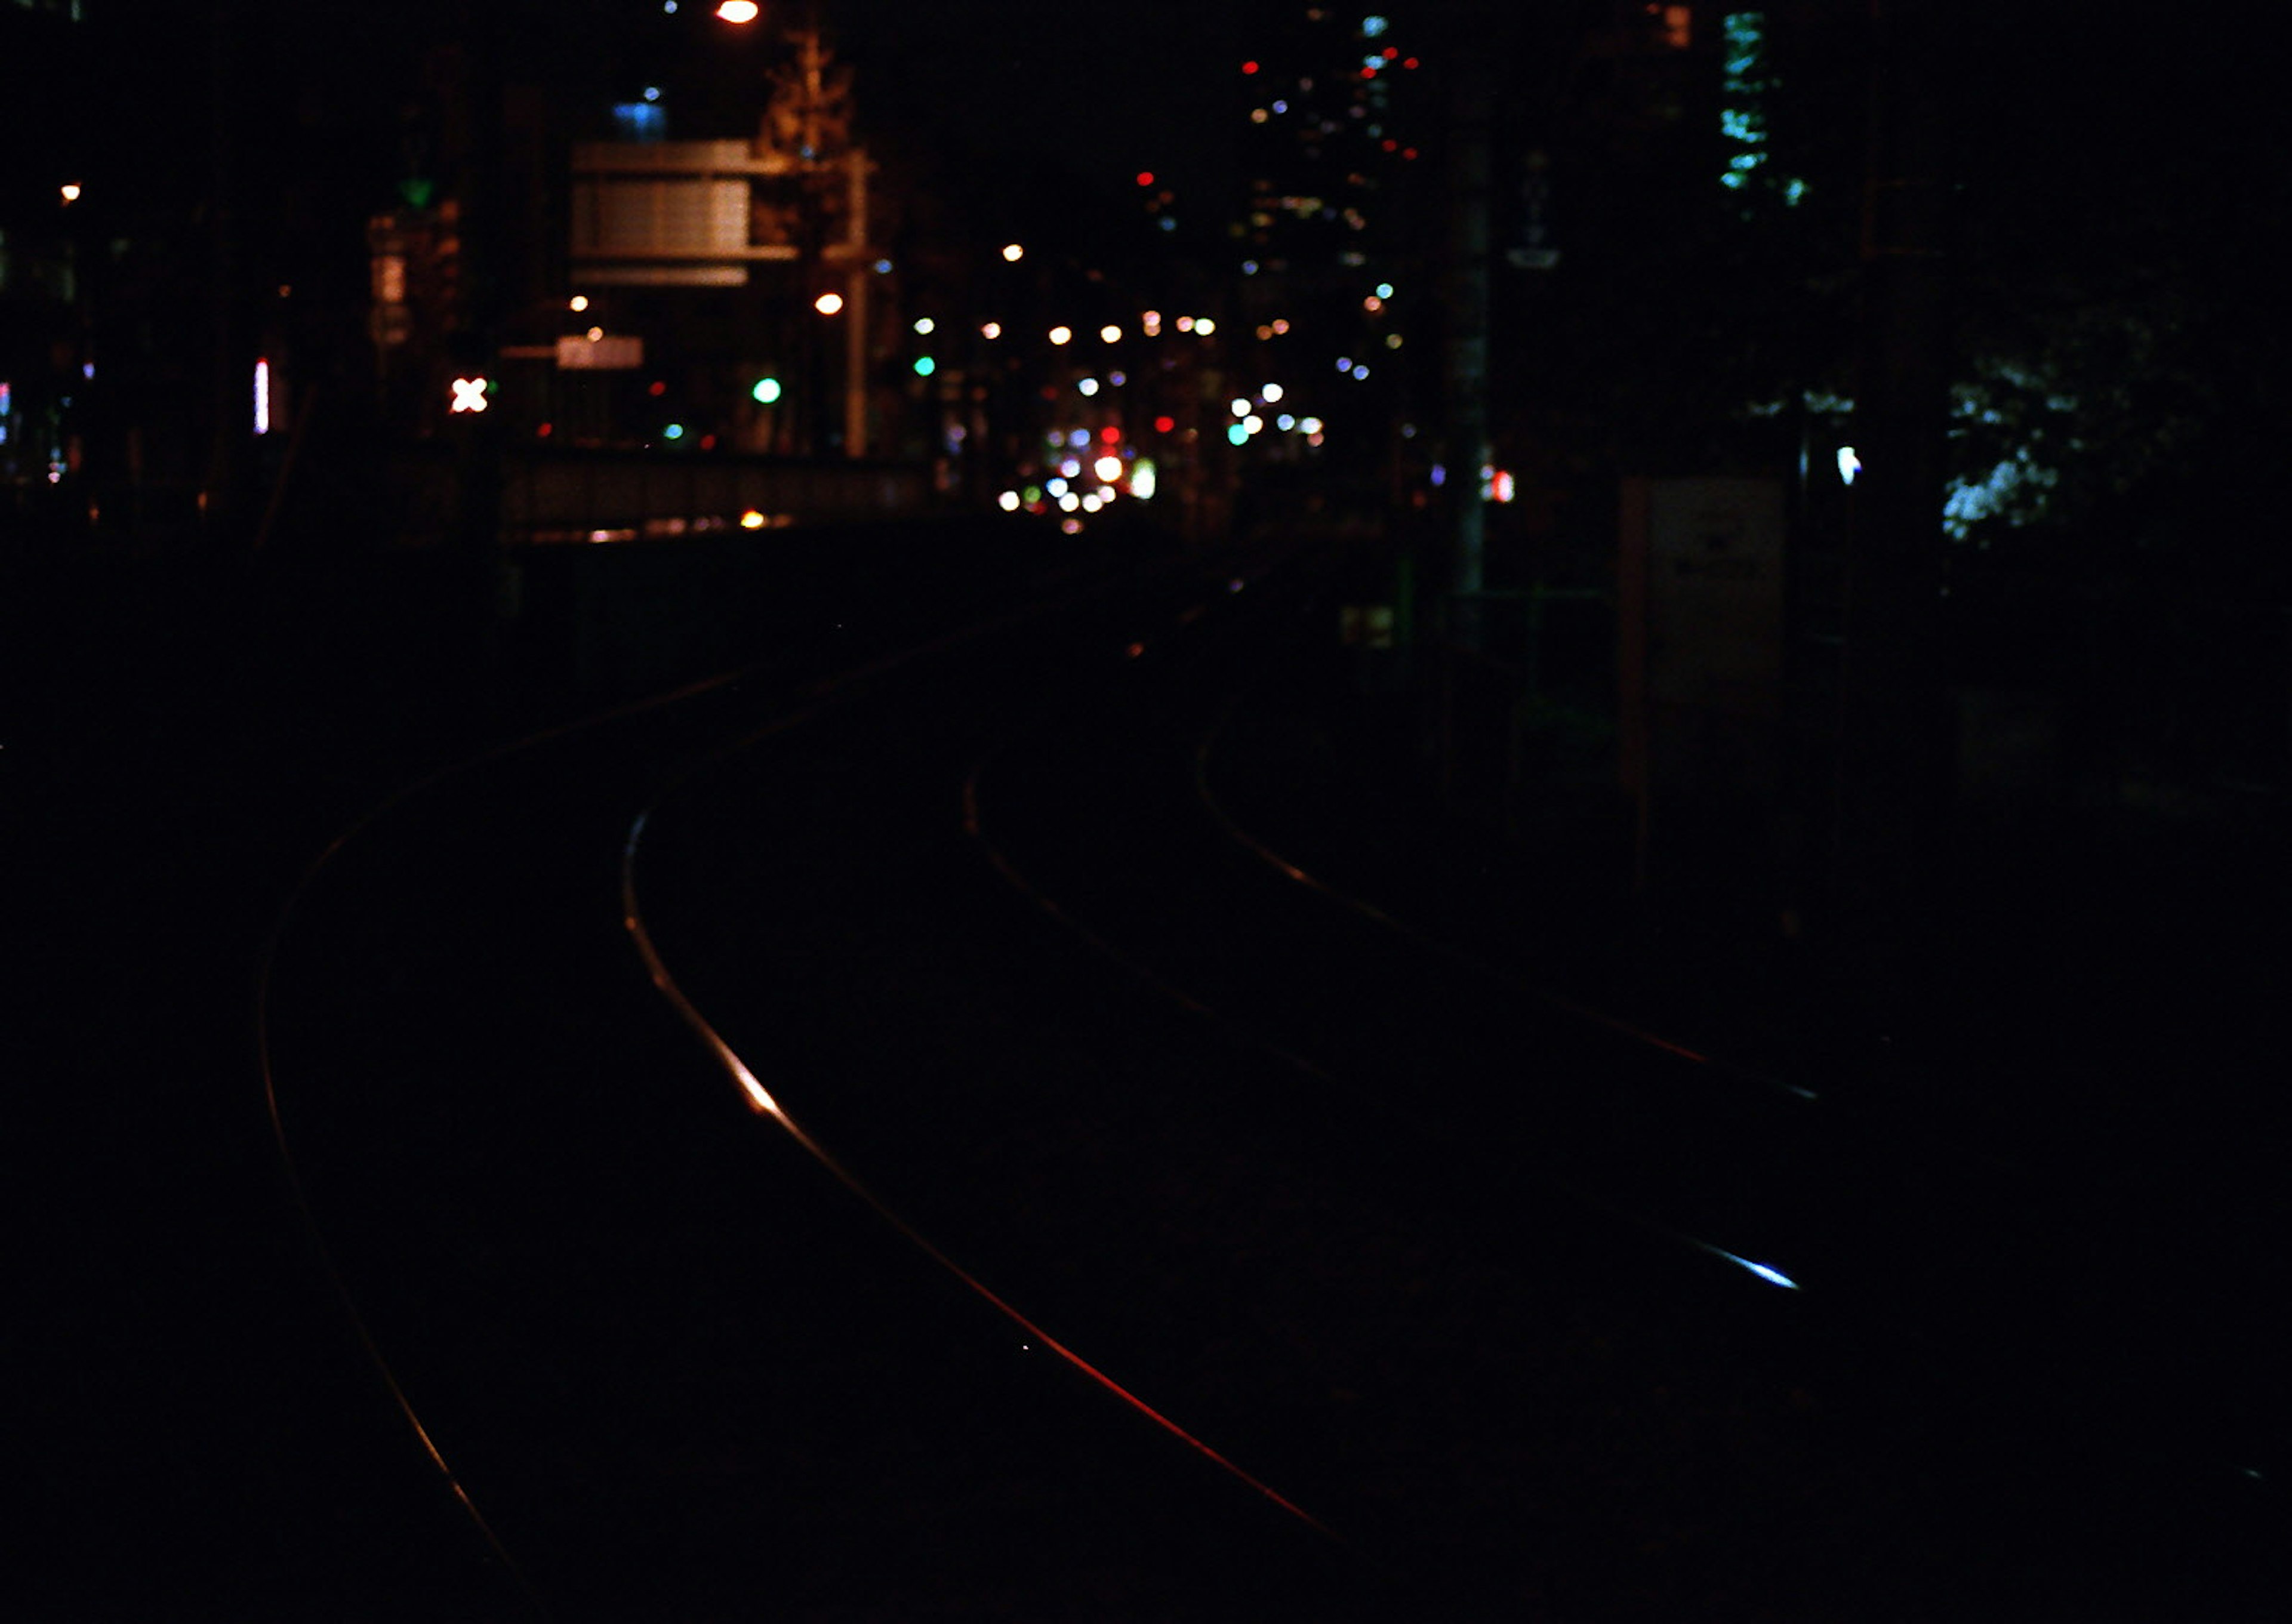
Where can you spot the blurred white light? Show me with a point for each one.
(262, 396)
(1285, 423)
(1205, 326)
(925, 324)
(578, 301)
(71, 191)
(1311, 425)
(828, 303)
(1062, 334)
(1008, 501)
(1071, 467)
(1089, 386)
(1142, 479)
(1109, 333)
(1090, 504)
(1241, 406)
(1014, 253)
(1849, 464)
(1253, 423)
(739, 11)
(1056, 487)
(1270, 395)
(1069, 502)
(1109, 468)
(992, 330)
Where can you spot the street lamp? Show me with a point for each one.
(739, 11)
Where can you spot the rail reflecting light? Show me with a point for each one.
(1773, 1276)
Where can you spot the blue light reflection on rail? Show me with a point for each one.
(1773, 1276)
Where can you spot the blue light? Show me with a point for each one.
(675, 430)
(1773, 1277)
(643, 121)
(1371, 27)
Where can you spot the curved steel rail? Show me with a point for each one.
(265, 975)
(1011, 875)
(764, 1104)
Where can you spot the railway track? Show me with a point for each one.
(1247, 1255)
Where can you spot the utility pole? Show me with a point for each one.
(1893, 762)
(230, 461)
(1464, 369)
(810, 112)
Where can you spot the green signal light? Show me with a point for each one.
(925, 366)
(766, 391)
